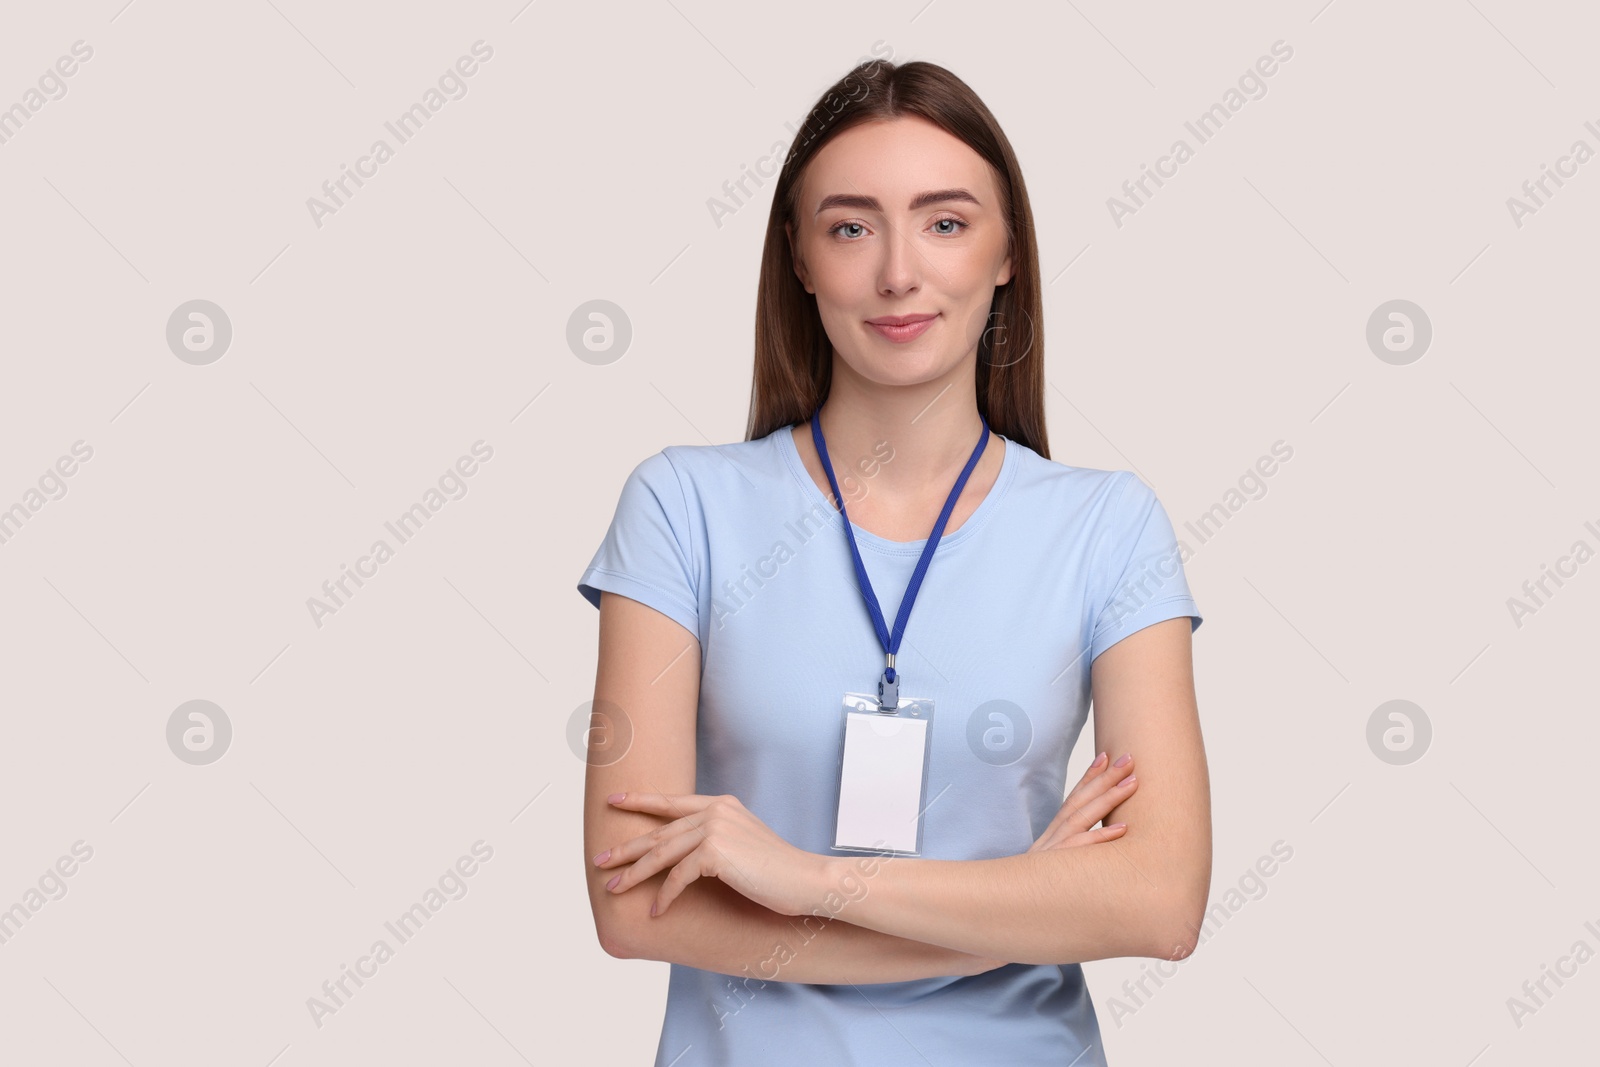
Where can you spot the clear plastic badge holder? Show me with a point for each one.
(883, 774)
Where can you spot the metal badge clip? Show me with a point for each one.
(889, 691)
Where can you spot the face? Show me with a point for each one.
(872, 245)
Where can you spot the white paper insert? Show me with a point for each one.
(880, 790)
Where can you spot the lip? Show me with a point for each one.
(899, 320)
(902, 327)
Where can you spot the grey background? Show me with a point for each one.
(431, 311)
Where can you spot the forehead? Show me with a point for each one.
(894, 161)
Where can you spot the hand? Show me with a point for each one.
(716, 837)
(1091, 800)
(1100, 790)
(1095, 795)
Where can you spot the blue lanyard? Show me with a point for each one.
(889, 684)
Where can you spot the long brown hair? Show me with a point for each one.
(793, 358)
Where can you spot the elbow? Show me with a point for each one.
(1178, 943)
(1178, 909)
(619, 937)
(1176, 930)
(613, 926)
(613, 945)
(623, 924)
(625, 928)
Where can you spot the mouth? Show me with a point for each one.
(902, 327)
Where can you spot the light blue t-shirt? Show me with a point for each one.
(738, 544)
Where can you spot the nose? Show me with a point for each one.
(902, 265)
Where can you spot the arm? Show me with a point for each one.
(1143, 894)
(647, 692)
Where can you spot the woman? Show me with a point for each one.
(898, 322)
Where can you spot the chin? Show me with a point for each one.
(911, 368)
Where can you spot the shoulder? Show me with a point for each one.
(746, 466)
(1090, 493)
(697, 460)
(697, 478)
(1110, 512)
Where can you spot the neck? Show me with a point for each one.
(932, 428)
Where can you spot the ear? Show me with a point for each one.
(1005, 271)
(794, 255)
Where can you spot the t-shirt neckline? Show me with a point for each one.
(868, 539)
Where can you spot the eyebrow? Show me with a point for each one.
(870, 203)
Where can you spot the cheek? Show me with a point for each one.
(975, 320)
(843, 292)
(841, 276)
(970, 269)
(968, 280)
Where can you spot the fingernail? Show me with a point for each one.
(614, 880)
(1099, 759)
(1129, 780)
(598, 860)
(1123, 760)
(652, 907)
(614, 797)
(1115, 825)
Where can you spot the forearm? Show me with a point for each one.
(1049, 906)
(714, 928)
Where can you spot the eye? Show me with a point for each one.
(957, 225)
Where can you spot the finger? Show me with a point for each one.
(671, 805)
(1101, 762)
(677, 880)
(1087, 837)
(1086, 811)
(634, 847)
(1091, 774)
(1097, 779)
(674, 805)
(663, 855)
(631, 849)
(1072, 819)
(1096, 784)
(1087, 805)
(1098, 834)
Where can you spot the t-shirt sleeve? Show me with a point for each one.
(1141, 574)
(645, 554)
